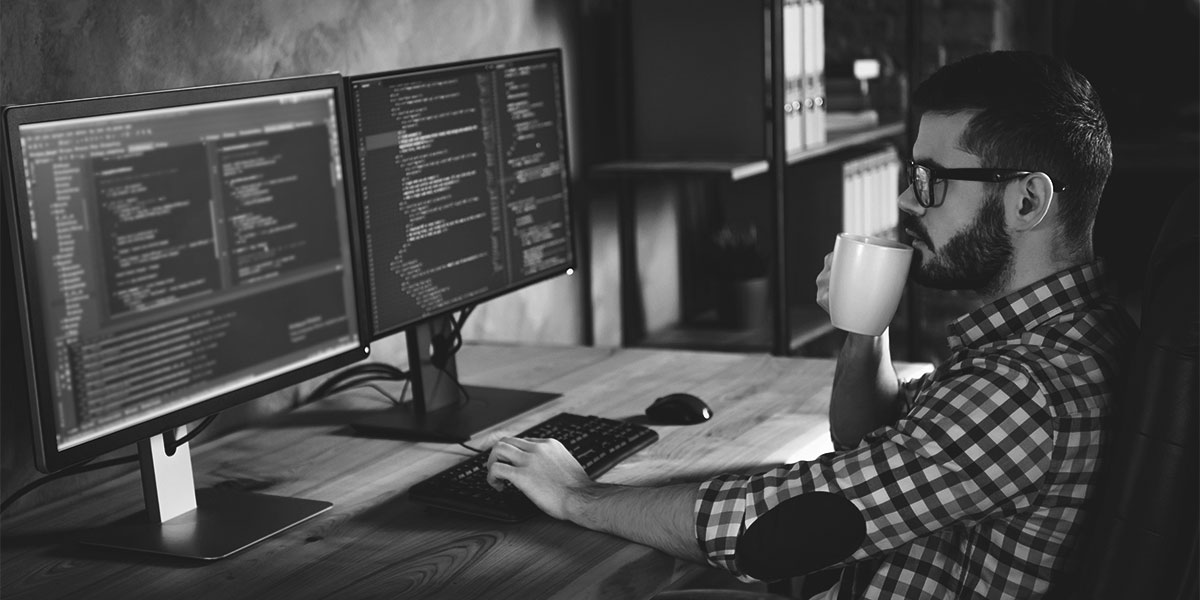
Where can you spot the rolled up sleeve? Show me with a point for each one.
(976, 446)
(720, 510)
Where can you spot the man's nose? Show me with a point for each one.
(908, 203)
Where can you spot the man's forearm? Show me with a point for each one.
(865, 390)
(659, 517)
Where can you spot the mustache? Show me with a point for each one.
(910, 223)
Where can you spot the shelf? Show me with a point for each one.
(735, 170)
(809, 323)
(707, 124)
(841, 139)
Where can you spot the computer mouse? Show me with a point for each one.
(679, 409)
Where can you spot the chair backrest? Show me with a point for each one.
(1142, 538)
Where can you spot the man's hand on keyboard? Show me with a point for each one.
(542, 469)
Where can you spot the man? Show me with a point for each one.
(967, 482)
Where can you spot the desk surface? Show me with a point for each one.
(375, 542)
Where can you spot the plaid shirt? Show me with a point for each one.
(977, 489)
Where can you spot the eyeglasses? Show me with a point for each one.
(923, 178)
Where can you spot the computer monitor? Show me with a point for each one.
(465, 187)
(177, 253)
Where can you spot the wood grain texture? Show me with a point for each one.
(376, 543)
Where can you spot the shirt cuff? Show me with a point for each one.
(720, 512)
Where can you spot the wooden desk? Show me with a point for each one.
(375, 542)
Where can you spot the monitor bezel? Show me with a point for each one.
(556, 56)
(48, 457)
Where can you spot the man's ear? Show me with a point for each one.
(1029, 200)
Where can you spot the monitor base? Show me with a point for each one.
(484, 407)
(224, 522)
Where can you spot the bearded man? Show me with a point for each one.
(973, 480)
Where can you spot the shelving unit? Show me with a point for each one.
(687, 61)
(738, 170)
(731, 170)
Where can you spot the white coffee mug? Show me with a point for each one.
(866, 281)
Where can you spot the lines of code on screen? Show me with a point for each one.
(184, 252)
(464, 184)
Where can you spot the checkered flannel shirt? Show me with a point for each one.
(976, 490)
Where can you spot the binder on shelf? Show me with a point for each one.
(869, 187)
(819, 136)
(813, 23)
(853, 204)
(892, 185)
(793, 73)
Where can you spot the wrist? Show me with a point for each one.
(858, 344)
(578, 501)
(862, 338)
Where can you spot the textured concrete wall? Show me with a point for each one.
(72, 48)
(65, 49)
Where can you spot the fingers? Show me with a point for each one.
(503, 452)
(499, 473)
(524, 444)
(507, 454)
(823, 283)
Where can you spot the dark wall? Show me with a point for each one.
(69, 49)
(76, 48)
(1144, 60)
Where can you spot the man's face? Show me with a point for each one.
(962, 244)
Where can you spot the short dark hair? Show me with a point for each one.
(1036, 114)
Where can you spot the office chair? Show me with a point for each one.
(1142, 538)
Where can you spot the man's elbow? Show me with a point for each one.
(807, 533)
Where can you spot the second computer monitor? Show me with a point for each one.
(465, 186)
(465, 183)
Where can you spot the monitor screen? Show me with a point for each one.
(464, 180)
(179, 252)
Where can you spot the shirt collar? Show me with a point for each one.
(1028, 306)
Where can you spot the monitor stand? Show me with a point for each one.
(442, 410)
(206, 524)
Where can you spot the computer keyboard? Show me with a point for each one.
(596, 442)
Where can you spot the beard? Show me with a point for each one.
(978, 258)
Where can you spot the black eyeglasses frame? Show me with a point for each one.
(938, 175)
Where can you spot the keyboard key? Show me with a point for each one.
(597, 442)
